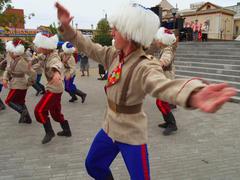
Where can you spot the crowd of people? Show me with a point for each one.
(132, 73)
(195, 31)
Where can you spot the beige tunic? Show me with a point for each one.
(147, 78)
(69, 66)
(2, 68)
(38, 63)
(167, 56)
(16, 72)
(53, 63)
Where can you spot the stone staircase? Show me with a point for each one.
(214, 61)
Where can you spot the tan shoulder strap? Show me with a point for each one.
(127, 81)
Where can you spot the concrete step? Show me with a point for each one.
(231, 83)
(224, 48)
(209, 75)
(235, 99)
(207, 65)
(233, 44)
(209, 52)
(203, 56)
(209, 70)
(207, 60)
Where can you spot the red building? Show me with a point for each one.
(19, 13)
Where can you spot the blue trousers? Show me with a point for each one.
(104, 150)
(69, 85)
(1, 87)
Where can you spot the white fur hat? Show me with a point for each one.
(165, 36)
(15, 47)
(136, 23)
(45, 41)
(68, 48)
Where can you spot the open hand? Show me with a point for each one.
(63, 15)
(212, 97)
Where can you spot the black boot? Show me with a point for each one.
(74, 97)
(25, 116)
(81, 94)
(2, 105)
(37, 88)
(49, 132)
(171, 127)
(19, 108)
(163, 125)
(66, 129)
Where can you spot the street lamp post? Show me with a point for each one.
(174, 12)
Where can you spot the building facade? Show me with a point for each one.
(220, 20)
(236, 29)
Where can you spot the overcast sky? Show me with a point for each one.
(87, 12)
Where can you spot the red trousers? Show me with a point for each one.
(163, 106)
(50, 102)
(16, 96)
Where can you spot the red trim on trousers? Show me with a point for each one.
(145, 163)
(50, 102)
(163, 106)
(16, 96)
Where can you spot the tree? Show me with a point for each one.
(5, 3)
(102, 34)
(2, 47)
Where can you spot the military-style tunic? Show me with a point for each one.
(69, 66)
(53, 63)
(15, 73)
(38, 63)
(167, 56)
(147, 78)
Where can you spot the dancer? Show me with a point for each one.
(51, 100)
(70, 72)
(14, 77)
(166, 41)
(37, 64)
(3, 64)
(133, 75)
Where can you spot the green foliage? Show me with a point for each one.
(4, 3)
(102, 34)
(2, 47)
(53, 29)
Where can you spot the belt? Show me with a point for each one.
(15, 75)
(124, 109)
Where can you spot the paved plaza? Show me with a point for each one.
(206, 146)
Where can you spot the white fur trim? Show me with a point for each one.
(45, 42)
(135, 23)
(18, 50)
(165, 38)
(67, 50)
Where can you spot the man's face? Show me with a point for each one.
(12, 55)
(120, 42)
(42, 50)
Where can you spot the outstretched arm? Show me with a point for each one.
(212, 97)
(102, 54)
(63, 15)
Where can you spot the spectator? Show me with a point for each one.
(205, 29)
(196, 28)
(84, 64)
